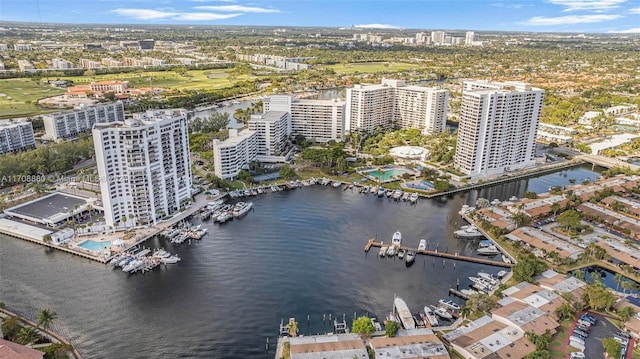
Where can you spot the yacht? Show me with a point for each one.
(404, 314)
(449, 304)
(401, 253)
(242, 208)
(411, 256)
(397, 194)
(469, 233)
(391, 251)
(481, 287)
(495, 202)
(486, 286)
(506, 259)
(225, 216)
(383, 251)
(170, 260)
(502, 273)
(396, 240)
(161, 253)
(489, 251)
(423, 245)
(442, 313)
(381, 192)
(431, 316)
(468, 292)
(413, 198)
(486, 243)
(466, 209)
(336, 184)
(489, 278)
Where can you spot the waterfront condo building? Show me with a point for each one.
(316, 120)
(498, 125)
(144, 167)
(68, 124)
(233, 154)
(16, 135)
(394, 104)
(272, 131)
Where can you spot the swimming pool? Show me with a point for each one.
(92, 245)
(386, 175)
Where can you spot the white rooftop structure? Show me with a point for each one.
(410, 152)
(612, 142)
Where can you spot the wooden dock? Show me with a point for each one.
(453, 256)
(458, 294)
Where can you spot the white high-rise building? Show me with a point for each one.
(392, 103)
(498, 125)
(68, 124)
(144, 167)
(16, 135)
(316, 120)
(437, 37)
(469, 38)
(233, 154)
(272, 129)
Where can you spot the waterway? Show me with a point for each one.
(298, 253)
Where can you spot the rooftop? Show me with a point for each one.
(336, 346)
(11, 350)
(48, 209)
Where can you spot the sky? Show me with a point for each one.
(582, 16)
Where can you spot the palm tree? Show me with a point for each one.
(45, 317)
(27, 335)
(625, 313)
(555, 207)
(89, 208)
(293, 327)
(579, 274)
(617, 278)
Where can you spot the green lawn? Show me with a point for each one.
(559, 338)
(372, 67)
(18, 97)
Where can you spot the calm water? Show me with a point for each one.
(298, 253)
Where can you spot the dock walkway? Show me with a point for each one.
(453, 256)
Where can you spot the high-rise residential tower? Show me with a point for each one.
(498, 124)
(144, 167)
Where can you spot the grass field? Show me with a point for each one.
(18, 97)
(372, 67)
(192, 80)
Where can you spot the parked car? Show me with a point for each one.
(588, 318)
(580, 332)
(577, 355)
(576, 339)
(584, 328)
(584, 323)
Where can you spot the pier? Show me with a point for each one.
(454, 256)
(458, 293)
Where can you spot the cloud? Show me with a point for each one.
(510, 6)
(635, 11)
(588, 5)
(377, 26)
(569, 20)
(237, 8)
(149, 14)
(635, 30)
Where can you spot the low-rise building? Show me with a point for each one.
(536, 238)
(410, 344)
(22, 47)
(334, 346)
(25, 66)
(11, 350)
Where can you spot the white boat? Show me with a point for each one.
(481, 287)
(390, 193)
(502, 273)
(513, 199)
(170, 260)
(381, 192)
(336, 184)
(405, 196)
(396, 239)
(160, 253)
(468, 233)
(484, 285)
(468, 292)
(489, 278)
(489, 251)
(224, 217)
(506, 259)
(466, 209)
(241, 208)
(411, 256)
(383, 251)
(423, 245)
(442, 313)
(401, 253)
(404, 314)
(397, 194)
(373, 190)
(413, 198)
(391, 251)
(449, 304)
(431, 316)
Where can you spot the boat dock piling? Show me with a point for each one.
(445, 255)
(458, 294)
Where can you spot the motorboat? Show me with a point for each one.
(383, 251)
(160, 253)
(489, 251)
(241, 208)
(481, 281)
(170, 260)
(468, 292)
(413, 198)
(404, 314)
(376, 325)
(513, 199)
(423, 245)
(486, 243)
(225, 216)
(405, 196)
(501, 273)
(481, 287)
(373, 190)
(396, 239)
(390, 193)
(381, 192)
(449, 304)
(506, 259)
(336, 184)
(411, 256)
(469, 233)
(365, 190)
(391, 251)
(466, 209)
(401, 253)
(495, 202)
(489, 278)
(431, 316)
(397, 194)
(442, 313)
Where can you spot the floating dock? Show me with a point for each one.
(454, 256)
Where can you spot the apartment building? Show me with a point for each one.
(61, 64)
(22, 47)
(498, 125)
(16, 135)
(90, 64)
(233, 154)
(394, 104)
(272, 129)
(3, 48)
(68, 124)
(25, 66)
(144, 167)
(316, 120)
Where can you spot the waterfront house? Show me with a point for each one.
(11, 350)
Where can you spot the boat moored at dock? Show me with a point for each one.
(404, 314)
(450, 304)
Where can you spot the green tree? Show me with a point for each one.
(528, 266)
(569, 219)
(541, 341)
(45, 317)
(245, 176)
(10, 327)
(626, 313)
(287, 172)
(27, 335)
(530, 195)
(57, 351)
(521, 219)
(363, 326)
(617, 278)
(599, 298)
(565, 311)
(391, 328)
(612, 347)
(292, 328)
(539, 354)
(480, 303)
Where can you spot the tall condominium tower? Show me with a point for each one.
(394, 104)
(498, 124)
(144, 167)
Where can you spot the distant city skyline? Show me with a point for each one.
(588, 16)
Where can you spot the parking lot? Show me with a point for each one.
(602, 329)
